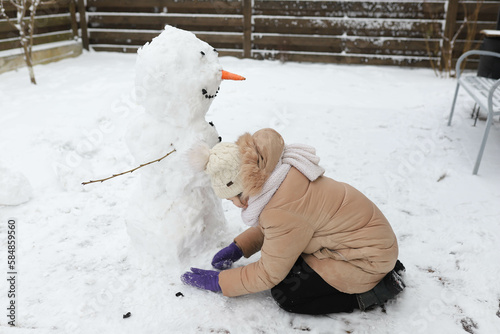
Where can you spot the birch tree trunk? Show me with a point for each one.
(25, 28)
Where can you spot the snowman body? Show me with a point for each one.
(175, 215)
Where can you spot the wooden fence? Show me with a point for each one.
(220, 23)
(363, 32)
(400, 32)
(56, 33)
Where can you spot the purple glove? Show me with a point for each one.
(202, 279)
(225, 258)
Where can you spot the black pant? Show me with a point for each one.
(304, 291)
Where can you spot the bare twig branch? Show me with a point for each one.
(31, 30)
(448, 45)
(132, 170)
(430, 54)
(15, 4)
(449, 51)
(3, 14)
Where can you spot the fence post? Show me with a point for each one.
(74, 22)
(83, 24)
(247, 28)
(449, 30)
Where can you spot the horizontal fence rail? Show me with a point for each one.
(408, 33)
(401, 32)
(125, 26)
(54, 22)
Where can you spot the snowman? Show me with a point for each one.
(174, 215)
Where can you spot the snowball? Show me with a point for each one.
(15, 188)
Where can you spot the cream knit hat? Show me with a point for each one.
(223, 166)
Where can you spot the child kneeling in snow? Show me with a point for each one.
(325, 247)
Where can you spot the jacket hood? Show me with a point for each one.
(260, 153)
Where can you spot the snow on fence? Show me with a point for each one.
(371, 32)
(400, 32)
(124, 25)
(55, 35)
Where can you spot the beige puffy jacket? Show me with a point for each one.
(338, 231)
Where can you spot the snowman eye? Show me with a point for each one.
(215, 50)
(202, 53)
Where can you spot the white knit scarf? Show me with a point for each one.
(302, 157)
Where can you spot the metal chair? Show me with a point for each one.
(483, 91)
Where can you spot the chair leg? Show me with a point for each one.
(473, 111)
(489, 121)
(453, 104)
(477, 115)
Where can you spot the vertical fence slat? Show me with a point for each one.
(449, 30)
(247, 28)
(451, 19)
(83, 24)
(74, 22)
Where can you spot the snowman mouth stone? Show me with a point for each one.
(204, 92)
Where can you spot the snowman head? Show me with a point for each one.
(177, 76)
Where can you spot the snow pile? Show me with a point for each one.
(15, 188)
(175, 213)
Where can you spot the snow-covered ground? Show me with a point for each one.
(381, 129)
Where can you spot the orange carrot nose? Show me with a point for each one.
(231, 76)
